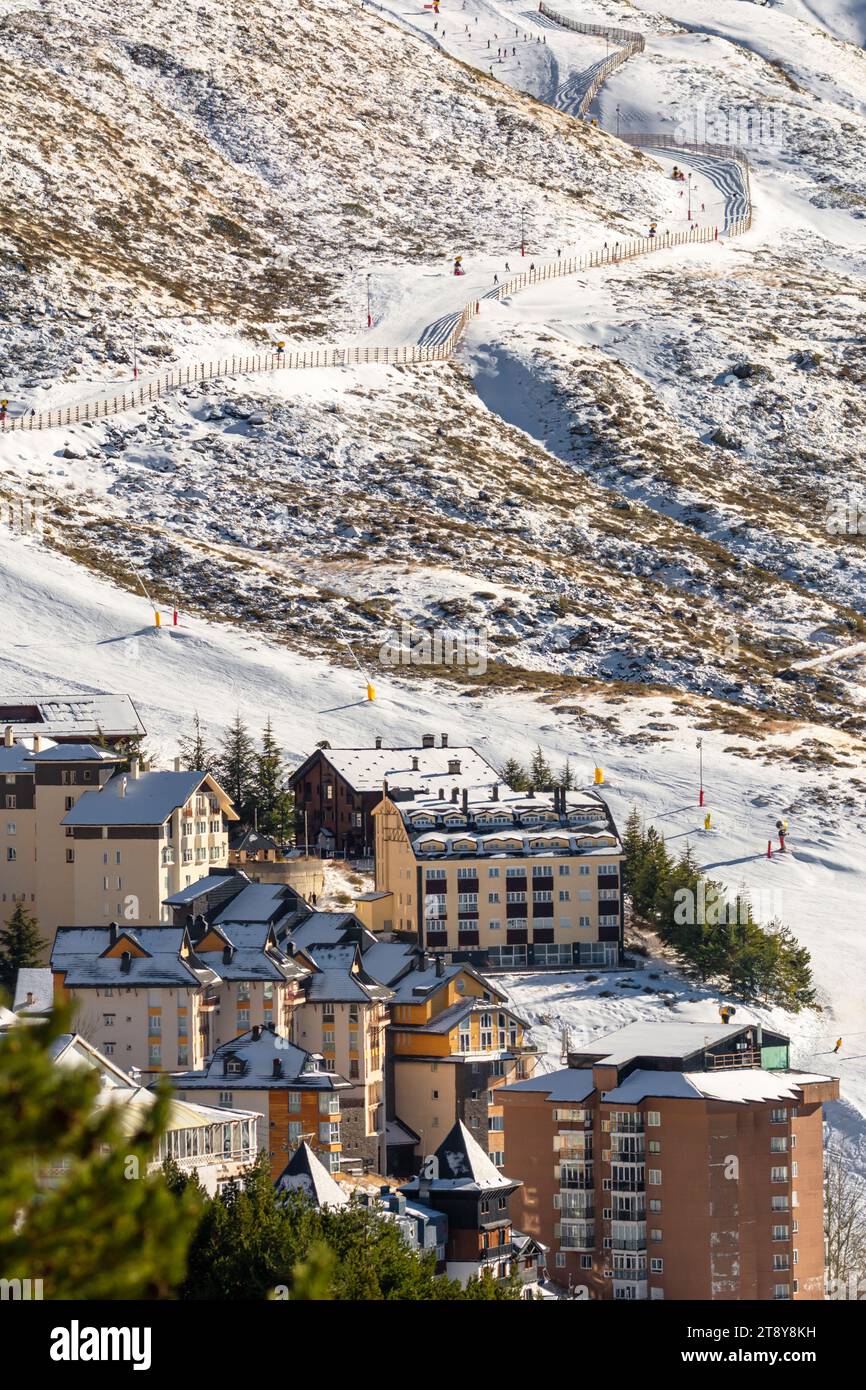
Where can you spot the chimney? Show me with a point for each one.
(257, 1031)
(440, 967)
(494, 792)
(531, 792)
(177, 764)
(189, 922)
(444, 740)
(123, 781)
(428, 741)
(227, 959)
(414, 763)
(378, 742)
(37, 743)
(465, 802)
(455, 792)
(453, 767)
(8, 737)
(29, 996)
(126, 962)
(384, 786)
(112, 933)
(134, 766)
(278, 1067)
(441, 793)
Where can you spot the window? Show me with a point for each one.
(780, 1262)
(653, 1117)
(10, 827)
(778, 1174)
(655, 1204)
(657, 1266)
(560, 1260)
(493, 897)
(583, 922)
(779, 1144)
(654, 1146)
(586, 1262)
(654, 1176)
(781, 1232)
(584, 870)
(108, 1020)
(779, 1203)
(778, 1117)
(226, 1099)
(491, 873)
(655, 1234)
(11, 855)
(781, 1291)
(564, 870)
(657, 1293)
(296, 1129)
(11, 802)
(565, 897)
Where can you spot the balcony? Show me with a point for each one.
(628, 1177)
(577, 1177)
(577, 1235)
(726, 1060)
(629, 1235)
(635, 1214)
(626, 1124)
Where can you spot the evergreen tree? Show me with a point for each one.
(567, 778)
(195, 755)
(514, 775)
(236, 767)
(540, 771)
(21, 946)
(78, 1208)
(633, 846)
(273, 804)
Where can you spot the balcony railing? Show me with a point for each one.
(635, 1214)
(632, 1181)
(626, 1124)
(630, 1149)
(750, 1058)
(631, 1240)
(577, 1236)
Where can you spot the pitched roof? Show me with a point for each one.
(365, 769)
(59, 716)
(340, 976)
(38, 982)
(75, 753)
(463, 1164)
(306, 1173)
(328, 929)
(202, 887)
(148, 799)
(257, 1050)
(252, 841)
(260, 902)
(80, 953)
(570, 1085)
(16, 759)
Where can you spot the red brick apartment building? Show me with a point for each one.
(674, 1161)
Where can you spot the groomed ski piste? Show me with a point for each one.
(71, 628)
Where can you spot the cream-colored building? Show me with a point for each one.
(83, 841)
(503, 878)
(144, 997)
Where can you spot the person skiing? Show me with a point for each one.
(495, 279)
(507, 268)
(652, 229)
(3, 408)
(532, 267)
(558, 252)
(838, 1044)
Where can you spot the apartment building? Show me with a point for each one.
(336, 789)
(675, 1161)
(40, 785)
(140, 839)
(344, 1016)
(503, 878)
(453, 1042)
(82, 840)
(144, 997)
(295, 1093)
(216, 1145)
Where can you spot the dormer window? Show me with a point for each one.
(234, 1067)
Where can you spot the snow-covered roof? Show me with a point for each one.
(386, 960)
(463, 1164)
(739, 1084)
(340, 976)
(365, 769)
(676, 1039)
(327, 929)
(569, 1085)
(257, 1050)
(197, 889)
(80, 953)
(306, 1173)
(148, 799)
(514, 823)
(16, 759)
(109, 715)
(251, 841)
(74, 753)
(35, 981)
(259, 902)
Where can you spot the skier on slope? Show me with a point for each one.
(838, 1044)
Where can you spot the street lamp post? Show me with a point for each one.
(134, 350)
(701, 771)
(690, 198)
(617, 120)
(369, 309)
(523, 231)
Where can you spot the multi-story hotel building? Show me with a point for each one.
(294, 1093)
(84, 841)
(503, 878)
(675, 1161)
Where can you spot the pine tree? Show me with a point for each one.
(567, 778)
(195, 755)
(633, 847)
(273, 803)
(236, 767)
(514, 775)
(540, 771)
(21, 946)
(78, 1208)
